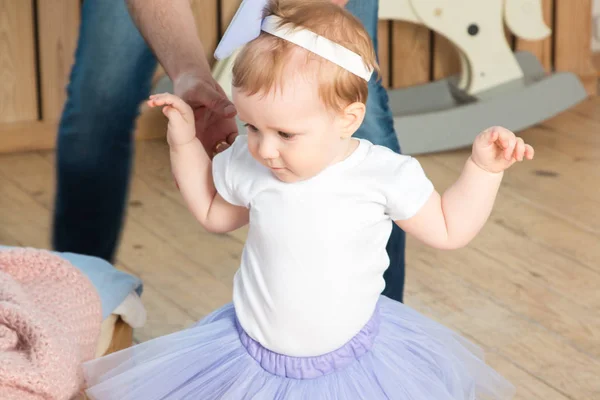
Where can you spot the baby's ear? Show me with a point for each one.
(351, 118)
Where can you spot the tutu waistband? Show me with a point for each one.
(313, 367)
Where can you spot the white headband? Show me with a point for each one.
(319, 45)
(248, 23)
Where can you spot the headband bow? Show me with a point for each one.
(247, 24)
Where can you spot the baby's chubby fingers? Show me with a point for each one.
(519, 151)
(529, 152)
(507, 141)
(161, 99)
(157, 100)
(169, 111)
(490, 135)
(171, 103)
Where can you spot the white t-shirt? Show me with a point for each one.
(312, 266)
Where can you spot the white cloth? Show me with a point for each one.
(312, 266)
(131, 311)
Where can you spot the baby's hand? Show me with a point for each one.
(497, 148)
(181, 129)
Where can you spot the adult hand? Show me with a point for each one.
(213, 112)
(340, 3)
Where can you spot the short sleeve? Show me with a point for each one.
(226, 169)
(406, 187)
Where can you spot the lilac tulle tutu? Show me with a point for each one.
(399, 354)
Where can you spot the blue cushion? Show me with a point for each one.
(112, 284)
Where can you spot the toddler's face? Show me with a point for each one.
(289, 129)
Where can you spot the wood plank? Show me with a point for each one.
(187, 281)
(536, 235)
(562, 166)
(596, 63)
(122, 337)
(441, 304)
(483, 265)
(27, 136)
(502, 240)
(6, 239)
(578, 168)
(575, 124)
(383, 52)
(150, 124)
(207, 23)
(542, 49)
(174, 273)
(445, 58)
(411, 62)
(153, 159)
(537, 213)
(472, 313)
(589, 109)
(41, 135)
(529, 387)
(32, 179)
(173, 222)
(573, 53)
(18, 90)
(228, 10)
(168, 216)
(58, 30)
(158, 74)
(564, 238)
(24, 216)
(21, 217)
(558, 169)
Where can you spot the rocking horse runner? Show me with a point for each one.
(495, 86)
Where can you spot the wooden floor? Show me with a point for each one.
(526, 290)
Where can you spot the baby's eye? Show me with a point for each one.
(251, 128)
(286, 136)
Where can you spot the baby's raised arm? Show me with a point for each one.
(452, 220)
(192, 169)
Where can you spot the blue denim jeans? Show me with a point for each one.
(111, 76)
(378, 128)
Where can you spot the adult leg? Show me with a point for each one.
(111, 75)
(378, 128)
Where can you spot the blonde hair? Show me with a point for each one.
(259, 66)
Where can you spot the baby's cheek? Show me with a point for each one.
(252, 145)
(253, 149)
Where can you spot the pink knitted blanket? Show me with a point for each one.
(50, 316)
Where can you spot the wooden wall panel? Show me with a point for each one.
(207, 23)
(228, 9)
(445, 58)
(573, 40)
(58, 27)
(18, 79)
(542, 49)
(383, 52)
(410, 54)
